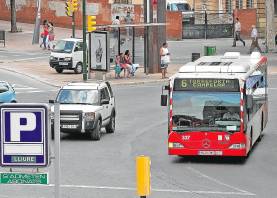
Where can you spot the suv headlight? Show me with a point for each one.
(89, 116)
(67, 59)
(51, 57)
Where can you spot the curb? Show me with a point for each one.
(30, 76)
(112, 83)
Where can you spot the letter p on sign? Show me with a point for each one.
(21, 122)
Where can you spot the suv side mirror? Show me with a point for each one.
(249, 101)
(76, 49)
(51, 101)
(105, 101)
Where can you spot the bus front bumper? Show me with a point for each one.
(207, 152)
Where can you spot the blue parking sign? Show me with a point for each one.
(24, 135)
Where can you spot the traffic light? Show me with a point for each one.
(91, 23)
(74, 5)
(154, 2)
(68, 8)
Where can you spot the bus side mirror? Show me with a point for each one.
(249, 101)
(164, 96)
(163, 100)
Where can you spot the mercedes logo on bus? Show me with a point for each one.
(206, 143)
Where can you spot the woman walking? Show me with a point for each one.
(165, 59)
(51, 36)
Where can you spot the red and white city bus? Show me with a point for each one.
(217, 106)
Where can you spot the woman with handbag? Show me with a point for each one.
(51, 35)
(165, 59)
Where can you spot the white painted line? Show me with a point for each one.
(25, 59)
(219, 182)
(20, 88)
(35, 91)
(153, 189)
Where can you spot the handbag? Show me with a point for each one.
(165, 60)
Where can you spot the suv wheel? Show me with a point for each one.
(95, 133)
(79, 68)
(59, 70)
(110, 128)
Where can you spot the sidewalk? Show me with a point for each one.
(40, 69)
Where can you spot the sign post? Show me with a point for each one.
(24, 135)
(57, 149)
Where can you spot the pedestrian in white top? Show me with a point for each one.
(116, 21)
(165, 59)
(237, 33)
(254, 37)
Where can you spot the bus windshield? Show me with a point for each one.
(206, 111)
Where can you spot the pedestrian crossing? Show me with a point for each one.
(22, 89)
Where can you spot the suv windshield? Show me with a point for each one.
(64, 46)
(206, 111)
(73, 96)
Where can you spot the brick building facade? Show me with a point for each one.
(241, 8)
(106, 10)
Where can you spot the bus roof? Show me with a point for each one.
(230, 65)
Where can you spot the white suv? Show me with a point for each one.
(86, 107)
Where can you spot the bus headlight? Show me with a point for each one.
(89, 116)
(175, 145)
(237, 146)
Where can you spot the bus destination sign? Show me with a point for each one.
(206, 84)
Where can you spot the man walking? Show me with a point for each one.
(116, 21)
(254, 37)
(128, 20)
(237, 33)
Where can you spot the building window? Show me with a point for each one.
(250, 3)
(228, 6)
(239, 4)
(123, 1)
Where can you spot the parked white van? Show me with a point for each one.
(67, 55)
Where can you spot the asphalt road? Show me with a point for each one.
(11, 55)
(106, 168)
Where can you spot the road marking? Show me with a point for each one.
(219, 182)
(25, 59)
(20, 88)
(35, 91)
(245, 193)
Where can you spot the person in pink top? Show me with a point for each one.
(45, 34)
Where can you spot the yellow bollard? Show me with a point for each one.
(143, 175)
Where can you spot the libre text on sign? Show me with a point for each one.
(24, 135)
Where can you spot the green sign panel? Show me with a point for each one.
(23, 178)
(206, 84)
